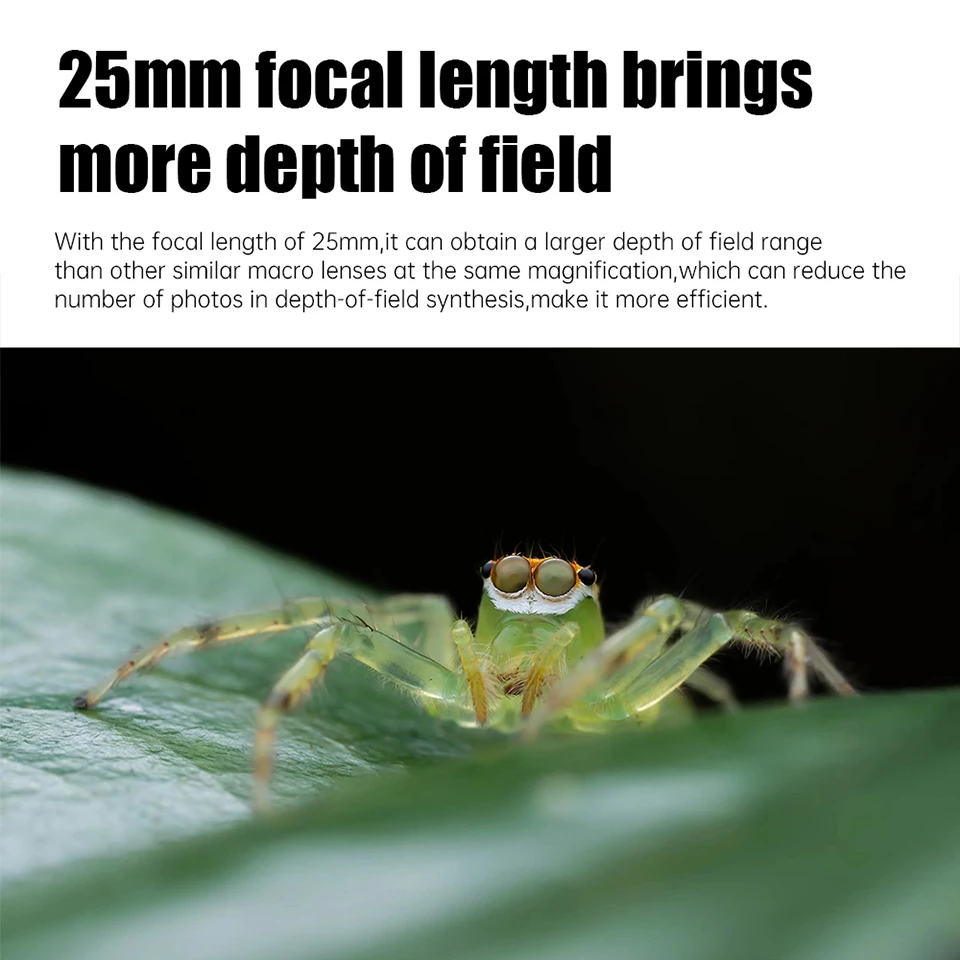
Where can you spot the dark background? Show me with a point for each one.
(820, 483)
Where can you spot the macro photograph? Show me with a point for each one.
(479, 654)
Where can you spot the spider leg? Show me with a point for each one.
(637, 643)
(680, 662)
(656, 673)
(672, 668)
(431, 612)
(421, 620)
(232, 629)
(800, 651)
(714, 688)
(824, 668)
(802, 656)
(424, 678)
(472, 668)
(547, 657)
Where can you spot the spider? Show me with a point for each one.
(540, 653)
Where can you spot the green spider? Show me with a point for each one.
(540, 653)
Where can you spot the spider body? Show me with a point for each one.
(539, 654)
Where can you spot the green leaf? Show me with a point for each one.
(827, 832)
(89, 576)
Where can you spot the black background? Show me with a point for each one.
(822, 483)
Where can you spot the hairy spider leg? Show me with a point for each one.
(424, 678)
(641, 686)
(825, 669)
(546, 660)
(800, 651)
(431, 613)
(472, 668)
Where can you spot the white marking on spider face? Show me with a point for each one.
(531, 601)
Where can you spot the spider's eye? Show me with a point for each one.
(587, 576)
(486, 568)
(510, 574)
(555, 577)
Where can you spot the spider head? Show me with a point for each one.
(527, 598)
(540, 586)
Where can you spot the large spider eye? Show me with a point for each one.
(511, 574)
(587, 576)
(555, 577)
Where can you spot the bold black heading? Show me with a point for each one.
(528, 87)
